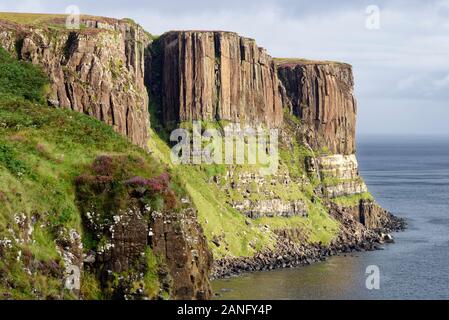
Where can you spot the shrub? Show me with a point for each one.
(158, 184)
(21, 78)
(9, 161)
(104, 165)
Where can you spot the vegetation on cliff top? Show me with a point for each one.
(305, 62)
(45, 19)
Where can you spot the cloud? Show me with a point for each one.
(423, 86)
(442, 83)
(407, 58)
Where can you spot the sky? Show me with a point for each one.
(399, 49)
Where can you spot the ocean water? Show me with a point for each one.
(408, 176)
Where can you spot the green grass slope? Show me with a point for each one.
(42, 151)
(221, 222)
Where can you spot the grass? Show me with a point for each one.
(30, 18)
(353, 200)
(217, 217)
(151, 280)
(48, 20)
(318, 227)
(223, 223)
(329, 180)
(57, 22)
(42, 151)
(305, 62)
(21, 79)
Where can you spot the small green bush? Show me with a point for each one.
(21, 78)
(9, 160)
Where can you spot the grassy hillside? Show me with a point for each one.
(42, 151)
(221, 222)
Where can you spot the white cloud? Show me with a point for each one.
(442, 83)
(407, 58)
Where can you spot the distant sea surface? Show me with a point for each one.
(409, 176)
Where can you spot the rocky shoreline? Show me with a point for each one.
(354, 237)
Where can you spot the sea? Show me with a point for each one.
(409, 176)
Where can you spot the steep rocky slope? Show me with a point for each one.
(214, 76)
(316, 204)
(321, 94)
(98, 70)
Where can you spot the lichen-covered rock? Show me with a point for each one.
(339, 175)
(271, 208)
(98, 70)
(321, 94)
(145, 242)
(128, 235)
(206, 75)
(370, 215)
(179, 238)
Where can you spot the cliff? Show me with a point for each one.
(97, 70)
(136, 225)
(214, 76)
(321, 94)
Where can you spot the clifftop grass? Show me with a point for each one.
(305, 62)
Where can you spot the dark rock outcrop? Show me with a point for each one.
(98, 70)
(321, 94)
(205, 75)
(372, 216)
(176, 238)
(131, 240)
(179, 238)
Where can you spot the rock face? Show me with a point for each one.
(321, 94)
(105, 70)
(179, 238)
(131, 241)
(129, 234)
(339, 175)
(371, 216)
(271, 208)
(214, 76)
(257, 196)
(98, 70)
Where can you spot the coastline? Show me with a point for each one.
(354, 237)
